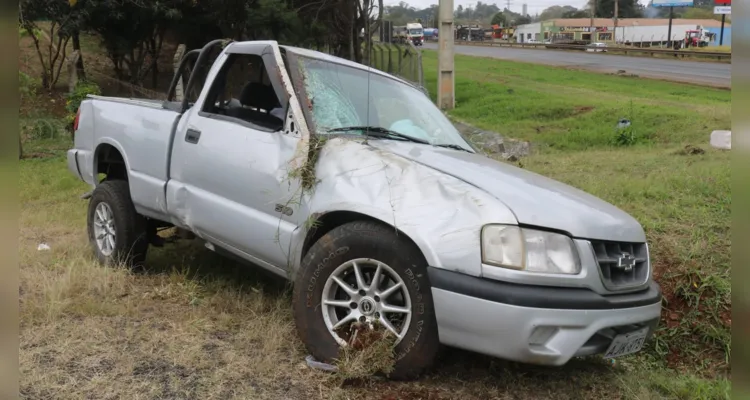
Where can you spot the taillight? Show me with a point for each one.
(75, 121)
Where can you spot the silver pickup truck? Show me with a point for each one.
(352, 184)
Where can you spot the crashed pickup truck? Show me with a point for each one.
(351, 183)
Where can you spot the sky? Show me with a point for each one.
(534, 6)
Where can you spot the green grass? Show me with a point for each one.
(683, 203)
(575, 110)
(197, 326)
(682, 200)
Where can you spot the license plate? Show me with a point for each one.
(627, 343)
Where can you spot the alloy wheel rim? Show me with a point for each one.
(104, 229)
(368, 291)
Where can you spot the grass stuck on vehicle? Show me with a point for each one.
(399, 237)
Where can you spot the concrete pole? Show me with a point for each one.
(446, 77)
(669, 29)
(592, 29)
(614, 34)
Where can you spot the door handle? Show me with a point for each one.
(192, 136)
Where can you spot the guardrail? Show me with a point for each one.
(620, 50)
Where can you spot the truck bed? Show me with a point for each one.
(141, 131)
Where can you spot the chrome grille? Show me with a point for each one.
(618, 270)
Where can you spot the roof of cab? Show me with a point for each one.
(318, 55)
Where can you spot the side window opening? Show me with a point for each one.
(243, 90)
(202, 73)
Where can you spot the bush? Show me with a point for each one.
(41, 128)
(27, 87)
(74, 99)
(625, 132)
(23, 32)
(626, 136)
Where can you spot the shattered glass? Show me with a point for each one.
(343, 96)
(332, 108)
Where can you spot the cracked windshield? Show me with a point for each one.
(340, 98)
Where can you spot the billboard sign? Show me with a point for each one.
(726, 10)
(672, 3)
(723, 2)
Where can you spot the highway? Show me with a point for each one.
(697, 72)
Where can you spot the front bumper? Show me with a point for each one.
(535, 324)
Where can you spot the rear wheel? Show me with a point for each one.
(116, 231)
(363, 271)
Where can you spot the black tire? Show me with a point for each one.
(417, 350)
(131, 243)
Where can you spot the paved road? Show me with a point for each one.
(699, 72)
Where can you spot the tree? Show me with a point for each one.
(577, 14)
(523, 20)
(627, 8)
(51, 44)
(498, 19)
(556, 12)
(132, 32)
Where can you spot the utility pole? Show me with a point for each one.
(446, 99)
(614, 34)
(593, 26)
(669, 29)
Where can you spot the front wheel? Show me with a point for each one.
(116, 231)
(363, 271)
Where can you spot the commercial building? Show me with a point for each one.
(529, 33)
(636, 31)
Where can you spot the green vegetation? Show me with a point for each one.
(197, 325)
(667, 177)
(74, 99)
(574, 110)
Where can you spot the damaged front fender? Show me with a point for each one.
(441, 214)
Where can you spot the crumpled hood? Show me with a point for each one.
(534, 199)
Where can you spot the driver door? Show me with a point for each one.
(232, 152)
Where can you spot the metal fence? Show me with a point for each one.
(402, 60)
(652, 51)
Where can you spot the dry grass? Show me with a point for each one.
(197, 326)
(369, 352)
(200, 326)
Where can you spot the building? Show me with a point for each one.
(502, 33)
(636, 31)
(529, 33)
(469, 32)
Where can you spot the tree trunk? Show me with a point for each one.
(20, 148)
(77, 46)
(366, 54)
(154, 62)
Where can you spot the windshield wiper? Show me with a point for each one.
(380, 132)
(453, 146)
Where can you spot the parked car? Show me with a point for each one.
(597, 47)
(372, 203)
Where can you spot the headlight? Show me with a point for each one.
(529, 250)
